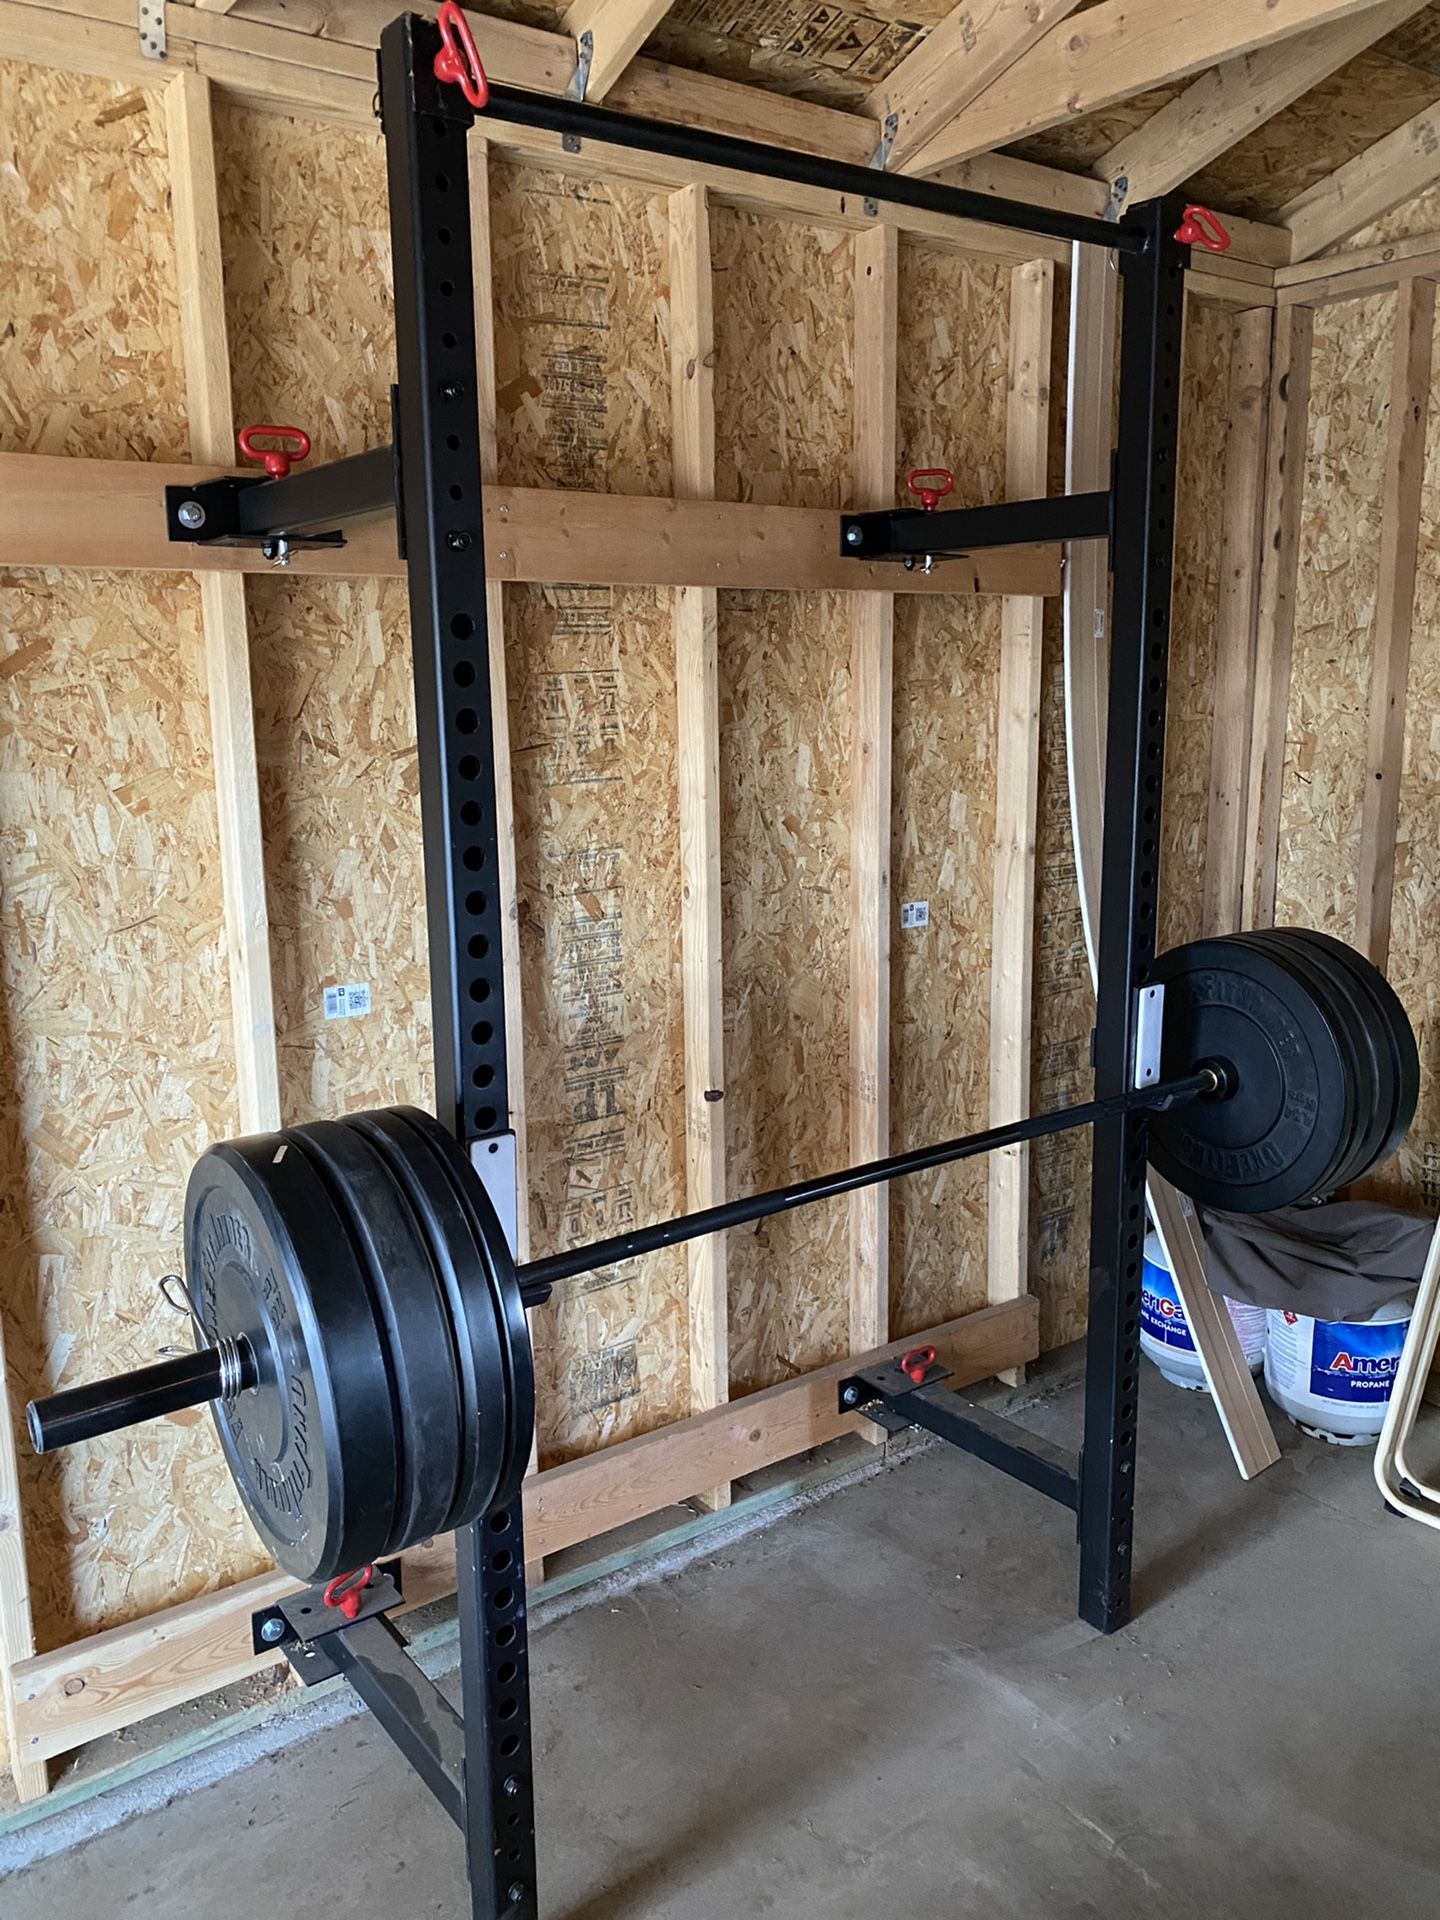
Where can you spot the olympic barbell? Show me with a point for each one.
(361, 1320)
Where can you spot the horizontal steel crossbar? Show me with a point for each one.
(576, 121)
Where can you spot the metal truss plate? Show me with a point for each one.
(150, 19)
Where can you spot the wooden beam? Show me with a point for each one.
(543, 61)
(1251, 241)
(1394, 613)
(1216, 111)
(1089, 437)
(1017, 787)
(1242, 515)
(28, 1771)
(114, 1679)
(204, 330)
(1286, 435)
(315, 59)
(1396, 168)
(486, 407)
(618, 29)
(697, 701)
(953, 65)
(1118, 48)
(876, 274)
(61, 512)
(752, 193)
(205, 345)
(1223, 290)
(1358, 271)
(1355, 275)
(109, 48)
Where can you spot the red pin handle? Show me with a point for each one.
(345, 1589)
(930, 496)
(917, 1363)
(278, 461)
(458, 61)
(1201, 228)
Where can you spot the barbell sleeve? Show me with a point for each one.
(125, 1399)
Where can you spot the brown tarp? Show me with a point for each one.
(1340, 1261)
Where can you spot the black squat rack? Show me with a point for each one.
(431, 87)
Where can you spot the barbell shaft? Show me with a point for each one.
(192, 1379)
(537, 1277)
(107, 1406)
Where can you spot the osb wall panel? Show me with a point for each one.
(115, 1053)
(1189, 736)
(340, 805)
(1076, 145)
(782, 371)
(954, 347)
(785, 858)
(305, 229)
(584, 401)
(783, 301)
(582, 354)
(1321, 131)
(597, 848)
(1334, 617)
(1418, 216)
(91, 360)
(1413, 1176)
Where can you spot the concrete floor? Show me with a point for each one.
(886, 1705)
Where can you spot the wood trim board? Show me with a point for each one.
(876, 275)
(1017, 788)
(61, 512)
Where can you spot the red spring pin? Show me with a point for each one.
(917, 1363)
(931, 495)
(345, 1590)
(278, 461)
(1201, 228)
(457, 64)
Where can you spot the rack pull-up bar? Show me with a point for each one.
(577, 122)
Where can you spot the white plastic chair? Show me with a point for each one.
(1402, 1487)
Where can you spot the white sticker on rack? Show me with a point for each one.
(346, 1003)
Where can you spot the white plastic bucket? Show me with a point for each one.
(1333, 1377)
(1165, 1336)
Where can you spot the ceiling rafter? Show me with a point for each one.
(953, 65)
(1115, 49)
(316, 58)
(618, 29)
(1220, 108)
(1366, 188)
